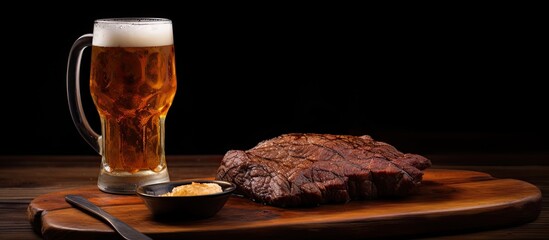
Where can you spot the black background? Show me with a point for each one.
(427, 79)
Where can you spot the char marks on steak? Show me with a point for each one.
(307, 169)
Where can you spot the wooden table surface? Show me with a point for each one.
(22, 178)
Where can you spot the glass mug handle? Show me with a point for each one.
(73, 92)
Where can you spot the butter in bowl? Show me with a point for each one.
(186, 199)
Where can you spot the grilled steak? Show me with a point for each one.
(303, 169)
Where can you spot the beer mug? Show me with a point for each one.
(132, 84)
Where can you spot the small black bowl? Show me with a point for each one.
(184, 207)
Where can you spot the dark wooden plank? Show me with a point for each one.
(23, 178)
(449, 200)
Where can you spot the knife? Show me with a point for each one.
(125, 230)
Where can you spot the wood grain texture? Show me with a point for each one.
(448, 201)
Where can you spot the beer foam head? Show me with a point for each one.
(132, 32)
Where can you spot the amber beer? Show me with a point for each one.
(133, 88)
(132, 83)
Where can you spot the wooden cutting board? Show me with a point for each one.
(448, 201)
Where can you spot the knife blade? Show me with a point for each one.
(125, 230)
